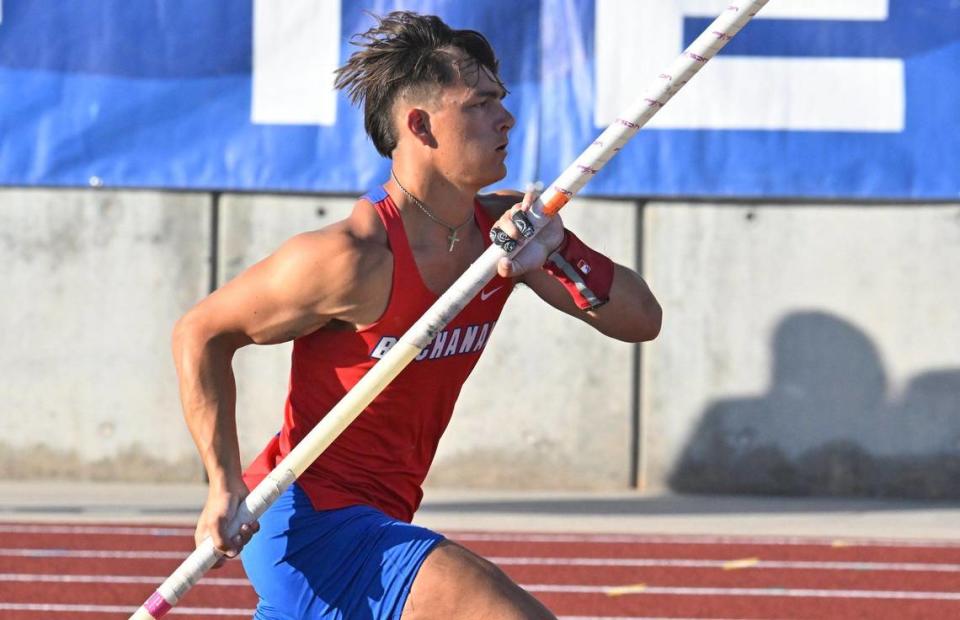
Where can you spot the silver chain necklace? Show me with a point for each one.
(452, 237)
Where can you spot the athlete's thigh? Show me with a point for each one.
(454, 582)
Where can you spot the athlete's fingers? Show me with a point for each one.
(222, 543)
(240, 539)
(515, 224)
(508, 223)
(504, 240)
(509, 228)
(528, 258)
(522, 223)
(505, 268)
(530, 194)
(520, 263)
(236, 543)
(222, 556)
(247, 530)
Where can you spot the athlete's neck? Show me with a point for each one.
(446, 200)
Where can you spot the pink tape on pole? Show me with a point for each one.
(157, 605)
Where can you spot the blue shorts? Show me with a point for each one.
(352, 563)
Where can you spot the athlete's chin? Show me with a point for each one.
(497, 173)
(479, 182)
(482, 175)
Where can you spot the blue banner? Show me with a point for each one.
(853, 99)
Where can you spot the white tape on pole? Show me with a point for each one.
(465, 288)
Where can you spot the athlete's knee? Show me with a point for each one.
(456, 581)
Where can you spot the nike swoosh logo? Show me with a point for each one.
(485, 295)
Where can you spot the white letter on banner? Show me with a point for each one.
(296, 48)
(635, 40)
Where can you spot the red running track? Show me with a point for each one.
(107, 570)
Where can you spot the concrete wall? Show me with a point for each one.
(805, 349)
(92, 284)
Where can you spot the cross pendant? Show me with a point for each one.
(452, 238)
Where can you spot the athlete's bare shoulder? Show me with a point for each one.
(365, 226)
(499, 201)
(345, 267)
(351, 245)
(340, 274)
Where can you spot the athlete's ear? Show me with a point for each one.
(418, 124)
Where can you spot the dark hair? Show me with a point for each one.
(407, 53)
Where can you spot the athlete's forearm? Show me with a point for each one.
(208, 396)
(632, 314)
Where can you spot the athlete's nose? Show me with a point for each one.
(508, 121)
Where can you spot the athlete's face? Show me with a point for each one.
(470, 126)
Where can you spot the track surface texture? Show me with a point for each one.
(104, 570)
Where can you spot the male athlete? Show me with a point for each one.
(339, 543)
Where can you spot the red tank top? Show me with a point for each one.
(382, 458)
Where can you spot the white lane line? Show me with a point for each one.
(932, 567)
(726, 564)
(609, 590)
(691, 539)
(94, 553)
(701, 540)
(124, 530)
(770, 592)
(810, 593)
(47, 578)
(45, 608)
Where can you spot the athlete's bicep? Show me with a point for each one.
(291, 293)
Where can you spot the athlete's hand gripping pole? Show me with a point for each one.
(450, 304)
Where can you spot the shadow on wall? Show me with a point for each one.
(827, 427)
